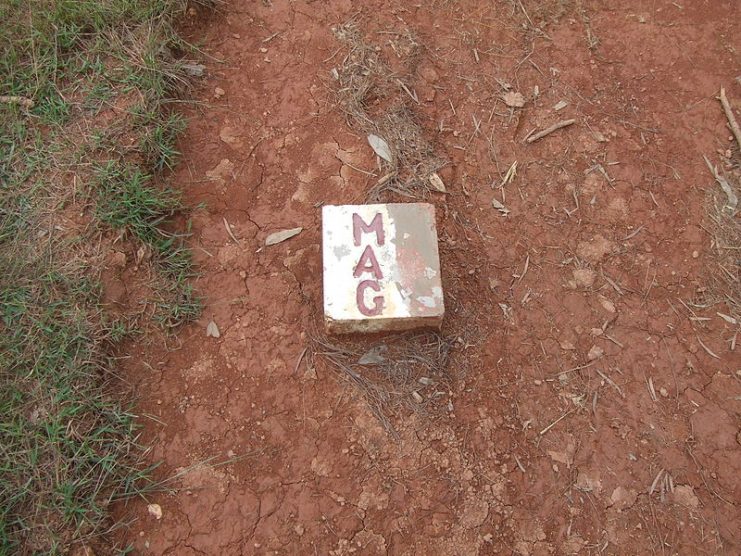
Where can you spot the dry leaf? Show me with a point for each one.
(437, 183)
(212, 331)
(277, 237)
(729, 319)
(380, 147)
(500, 207)
(155, 510)
(374, 356)
(514, 100)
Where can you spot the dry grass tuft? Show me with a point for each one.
(376, 99)
(404, 373)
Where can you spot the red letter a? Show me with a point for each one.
(368, 263)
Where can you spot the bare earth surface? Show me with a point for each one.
(587, 407)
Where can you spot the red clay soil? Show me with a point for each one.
(592, 409)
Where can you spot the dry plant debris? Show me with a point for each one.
(380, 103)
(406, 372)
(722, 208)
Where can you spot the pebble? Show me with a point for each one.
(595, 353)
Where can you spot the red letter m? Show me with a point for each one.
(376, 225)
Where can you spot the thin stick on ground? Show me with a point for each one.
(731, 118)
(549, 130)
(611, 382)
(554, 423)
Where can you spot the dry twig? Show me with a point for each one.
(731, 118)
(549, 130)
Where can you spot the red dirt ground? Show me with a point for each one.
(538, 455)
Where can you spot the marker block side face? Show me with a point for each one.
(381, 267)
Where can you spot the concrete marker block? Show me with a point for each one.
(381, 268)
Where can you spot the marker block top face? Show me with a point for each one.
(381, 267)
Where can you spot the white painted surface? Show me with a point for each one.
(409, 291)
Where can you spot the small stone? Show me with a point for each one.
(595, 353)
(597, 332)
(685, 495)
(417, 398)
(567, 345)
(538, 382)
(607, 305)
(219, 92)
(695, 254)
(488, 538)
(663, 392)
(622, 498)
(299, 529)
(155, 510)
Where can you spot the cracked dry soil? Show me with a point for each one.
(583, 411)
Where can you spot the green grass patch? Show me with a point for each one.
(67, 441)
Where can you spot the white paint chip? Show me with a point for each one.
(381, 268)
